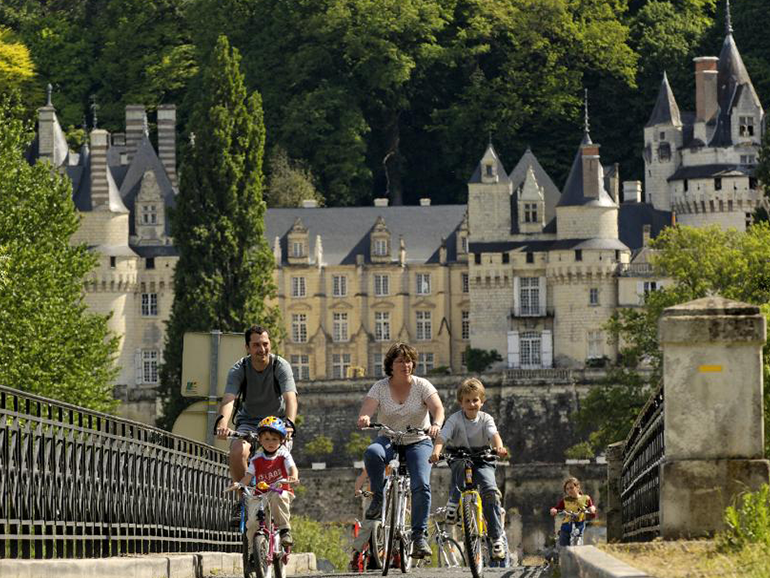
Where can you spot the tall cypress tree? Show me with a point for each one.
(224, 274)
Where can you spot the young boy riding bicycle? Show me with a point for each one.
(473, 429)
(271, 462)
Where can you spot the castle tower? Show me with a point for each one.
(489, 199)
(662, 140)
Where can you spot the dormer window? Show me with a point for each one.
(746, 126)
(381, 247)
(297, 249)
(380, 242)
(463, 244)
(462, 239)
(149, 211)
(490, 170)
(530, 213)
(149, 214)
(297, 243)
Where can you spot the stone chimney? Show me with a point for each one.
(705, 87)
(592, 181)
(381, 202)
(167, 140)
(646, 231)
(632, 191)
(136, 121)
(100, 187)
(45, 132)
(425, 202)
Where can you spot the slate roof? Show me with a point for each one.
(345, 230)
(709, 171)
(502, 175)
(666, 110)
(572, 193)
(631, 220)
(551, 192)
(536, 245)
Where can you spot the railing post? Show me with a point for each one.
(713, 412)
(614, 509)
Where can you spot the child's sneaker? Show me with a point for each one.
(498, 549)
(355, 561)
(286, 539)
(451, 513)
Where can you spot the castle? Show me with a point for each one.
(524, 268)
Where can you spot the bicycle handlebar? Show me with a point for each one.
(409, 429)
(574, 515)
(264, 486)
(454, 454)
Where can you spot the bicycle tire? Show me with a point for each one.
(262, 566)
(248, 570)
(405, 561)
(376, 547)
(450, 554)
(472, 536)
(390, 527)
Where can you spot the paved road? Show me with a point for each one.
(517, 572)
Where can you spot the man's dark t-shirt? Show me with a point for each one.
(261, 399)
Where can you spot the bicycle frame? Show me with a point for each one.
(576, 524)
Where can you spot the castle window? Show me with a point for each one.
(718, 184)
(465, 332)
(424, 363)
(150, 366)
(340, 365)
(149, 215)
(465, 281)
(381, 247)
(595, 345)
(463, 244)
(378, 367)
(381, 285)
(299, 328)
(382, 326)
(423, 283)
(530, 213)
(530, 257)
(578, 254)
(506, 258)
(746, 125)
(298, 288)
(300, 365)
(424, 328)
(297, 249)
(490, 170)
(149, 263)
(477, 258)
(113, 262)
(530, 348)
(617, 255)
(648, 287)
(664, 152)
(340, 326)
(662, 135)
(593, 296)
(748, 160)
(463, 360)
(339, 285)
(149, 304)
(685, 185)
(529, 296)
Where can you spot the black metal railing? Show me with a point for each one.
(75, 483)
(640, 477)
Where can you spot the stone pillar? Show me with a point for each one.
(713, 412)
(614, 508)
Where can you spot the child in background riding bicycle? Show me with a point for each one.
(474, 429)
(365, 532)
(576, 502)
(271, 462)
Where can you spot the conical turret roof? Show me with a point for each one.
(572, 194)
(666, 110)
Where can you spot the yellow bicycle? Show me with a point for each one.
(473, 522)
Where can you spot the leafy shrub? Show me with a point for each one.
(748, 522)
(357, 444)
(580, 451)
(324, 540)
(319, 446)
(479, 360)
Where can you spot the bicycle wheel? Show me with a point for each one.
(450, 554)
(262, 566)
(391, 515)
(248, 567)
(472, 535)
(404, 547)
(376, 547)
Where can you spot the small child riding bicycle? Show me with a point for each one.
(472, 429)
(575, 508)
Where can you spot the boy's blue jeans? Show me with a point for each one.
(377, 456)
(484, 478)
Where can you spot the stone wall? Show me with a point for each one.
(529, 491)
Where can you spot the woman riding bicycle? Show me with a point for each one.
(402, 400)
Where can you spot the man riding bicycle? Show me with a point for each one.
(263, 385)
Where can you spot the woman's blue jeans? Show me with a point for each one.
(377, 456)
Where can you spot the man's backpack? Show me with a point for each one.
(241, 397)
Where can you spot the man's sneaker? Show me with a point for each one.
(420, 548)
(286, 539)
(451, 513)
(374, 511)
(498, 549)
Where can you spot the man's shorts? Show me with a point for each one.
(251, 427)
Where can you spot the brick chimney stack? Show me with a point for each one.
(592, 181)
(136, 122)
(100, 188)
(705, 87)
(167, 140)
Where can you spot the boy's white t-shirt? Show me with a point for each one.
(461, 432)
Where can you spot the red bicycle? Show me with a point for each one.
(372, 550)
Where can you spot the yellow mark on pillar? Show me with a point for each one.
(710, 368)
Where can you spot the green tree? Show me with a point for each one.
(289, 182)
(356, 445)
(700, 262)
(16, 66)
(223, 279)
(51, 345)
(479, 360)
